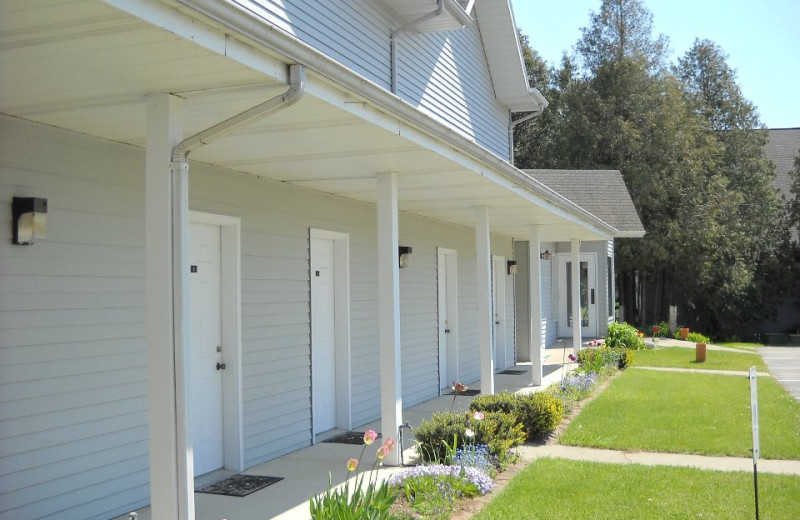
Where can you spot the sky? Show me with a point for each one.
(761, 38)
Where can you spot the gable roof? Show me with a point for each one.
(600, 192)
(782, 147)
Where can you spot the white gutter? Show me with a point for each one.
(248, 24)
(297, 86)
(403, 28)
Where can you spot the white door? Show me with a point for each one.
(207, 357)
(588, 295)
(323, 334)
(499, 312)
(447, 286)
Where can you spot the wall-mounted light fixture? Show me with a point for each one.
(28, 219)
(511, 267)
(404, 255)
(545, 255)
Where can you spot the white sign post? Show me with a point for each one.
(754, 417)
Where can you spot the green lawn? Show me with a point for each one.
(557, 488)
(685, 358)
(699, 413)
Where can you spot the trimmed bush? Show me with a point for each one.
(538, 413)
(624, 335)
(445, 432)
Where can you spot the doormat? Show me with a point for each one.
(349, 438)
(469, 393)
(239, 485)
(514, 372)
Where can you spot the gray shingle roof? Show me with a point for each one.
(600, 192)
(783, 146)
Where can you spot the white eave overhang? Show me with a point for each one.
(453, 17)
(228, 60)
(504, 54)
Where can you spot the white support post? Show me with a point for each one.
(484, 272)
(166, 215)
(535, 306)
(576, 295)
(389, 311)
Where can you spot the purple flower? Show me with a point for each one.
(476, 476)
(572, 357)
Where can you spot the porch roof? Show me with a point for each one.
(88, 66)
(602, 192)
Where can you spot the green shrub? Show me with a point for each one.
(696, 337)
(541, 413)
(445, 432)
(624, 335)
(538, 414)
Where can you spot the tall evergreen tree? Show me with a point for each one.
(690, 148)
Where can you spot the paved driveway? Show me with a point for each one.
(784, 364)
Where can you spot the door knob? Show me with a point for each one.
(220, 366)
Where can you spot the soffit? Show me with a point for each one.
(87, 67)
(453, 16)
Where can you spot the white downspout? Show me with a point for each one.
(297, 86)
(403, 28)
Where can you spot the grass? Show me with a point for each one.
(685, 358)
(706, 414)
(557, 488)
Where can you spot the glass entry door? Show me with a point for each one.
(587, 295)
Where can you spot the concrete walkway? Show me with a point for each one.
(786, 467)
(784, 364)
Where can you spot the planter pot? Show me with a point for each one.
(700, 352)
(684, 333)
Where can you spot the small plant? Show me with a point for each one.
(624, 335)
(661, 330)
(372, 501)
(476, 456)
(696, 337)
(479, 479)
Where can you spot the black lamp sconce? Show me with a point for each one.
(404, 256)
(511, 267)
(28, 219)
(545, 255)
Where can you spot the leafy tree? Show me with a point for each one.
(690, 148)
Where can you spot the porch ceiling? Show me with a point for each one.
(88, 67)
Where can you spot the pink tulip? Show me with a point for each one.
(478, 416)
(352, 464)
(388, 446)
(370, 436)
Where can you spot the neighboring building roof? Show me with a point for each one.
(600, 192)
(782, 147)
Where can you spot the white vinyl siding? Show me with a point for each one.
(73, 434)
(443, 74)
(72, 318)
